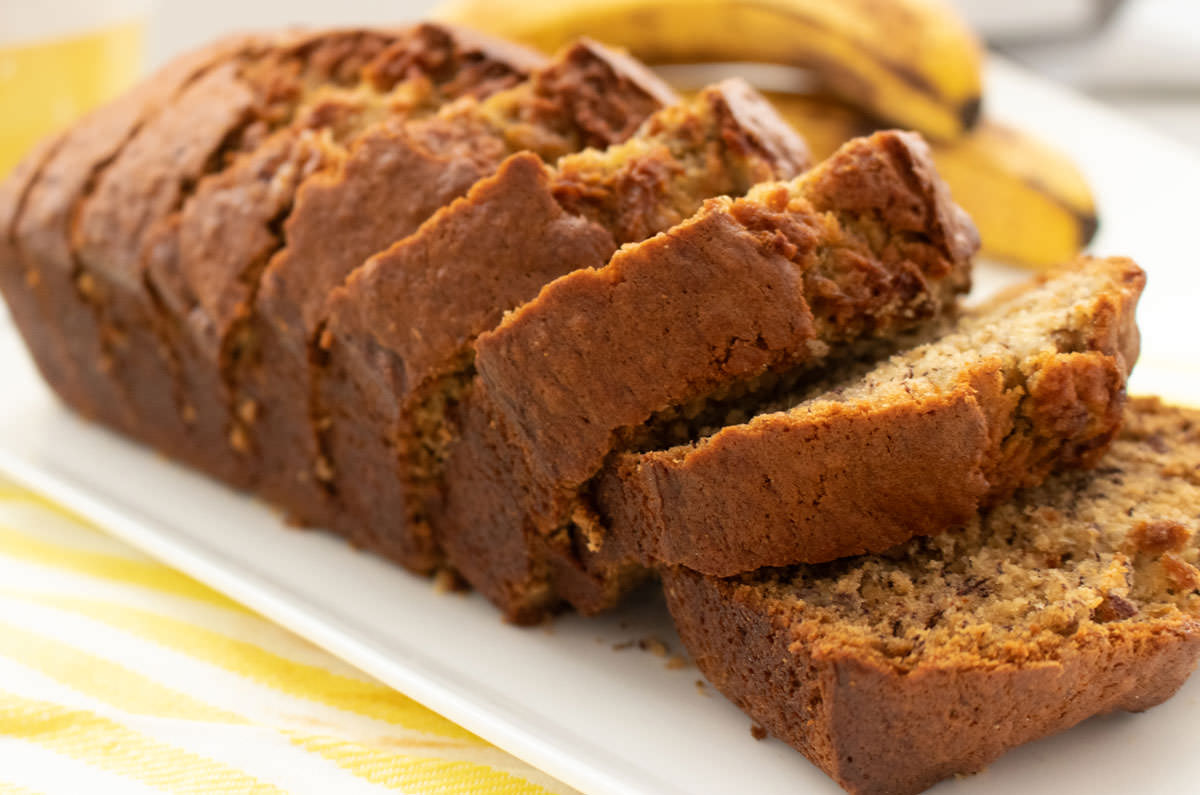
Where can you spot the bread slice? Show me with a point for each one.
(891, 672)
(586, 94)
(1030, 382)
(398, 344)
(866, 245)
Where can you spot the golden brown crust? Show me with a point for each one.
(535, 364)
(400, 302)
(324, 244)
(123, 168)
(314, 94)
(879, 730)
(106, 206)
(585, 83)
(177, 161)
(205, 259)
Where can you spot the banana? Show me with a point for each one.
(912, 63)
(1031, 204)
(907, 63)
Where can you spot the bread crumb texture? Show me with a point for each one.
(1081, 551)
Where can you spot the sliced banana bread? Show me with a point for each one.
(392, 180)
(398, 342)
(214, 257)
(1030, 382)
(890, 672)
(864, 246)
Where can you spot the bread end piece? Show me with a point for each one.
(875, 729)
(1074, 598)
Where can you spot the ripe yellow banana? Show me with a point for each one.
(912, 63)
(1030, 202)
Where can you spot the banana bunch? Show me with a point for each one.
(911, 63)
(875, 63)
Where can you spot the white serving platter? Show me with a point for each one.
(562, 697)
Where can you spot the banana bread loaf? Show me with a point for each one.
(1030, 382)
(866, 245)
(398, 340)
(890, 672)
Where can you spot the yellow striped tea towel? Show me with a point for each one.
(119, 674)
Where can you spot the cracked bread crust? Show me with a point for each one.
(735, 138)
(832, 478)
(1075, 598)
(588, 95)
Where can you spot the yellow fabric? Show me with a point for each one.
(118, 673)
